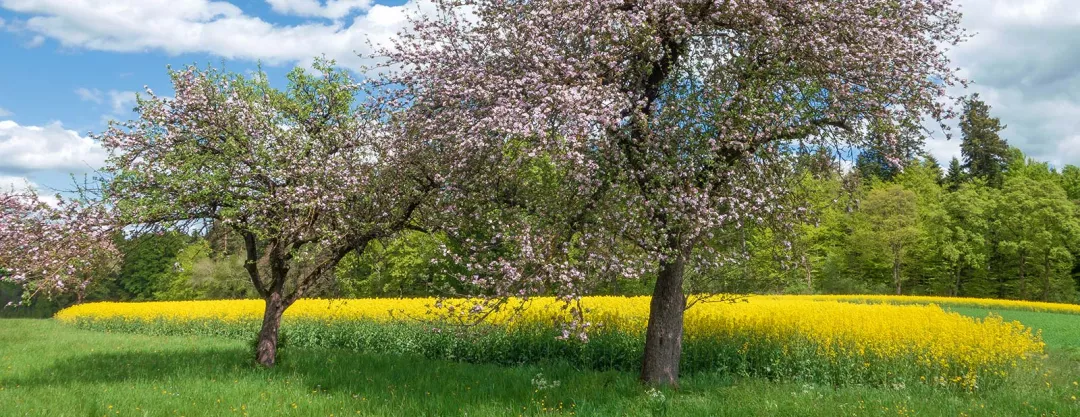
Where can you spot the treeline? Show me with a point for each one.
(922, 231)
(994, 224)
(209, 264)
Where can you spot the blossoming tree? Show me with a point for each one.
(303, 175)
(663, 121)
(53, 249)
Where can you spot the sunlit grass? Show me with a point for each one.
(48, 369)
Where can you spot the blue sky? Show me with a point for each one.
(67, 66)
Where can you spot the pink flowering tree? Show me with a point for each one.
(303, 174)
(54, 249)
(662, 122)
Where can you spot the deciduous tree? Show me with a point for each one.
(302, 175)
(1039, 229)
(891, 218)
(49, 249)
(663, 121)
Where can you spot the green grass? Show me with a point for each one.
(48, 369)
(1059, 331)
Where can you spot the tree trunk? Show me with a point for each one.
(809, 273)
(1046, 276)
(663, 338)
(1002, 280)
(896, 270)
(959, 282)
(266, 350)
(1023, 278)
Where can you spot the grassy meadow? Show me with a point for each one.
(50, 368)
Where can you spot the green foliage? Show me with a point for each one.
(202, 273)
(1039, 231)
(927, 234)
(955, 176)
(886, 227)
(410, 264)
(872, 164)
(985, 152)
(1070, 181)
(963, 241)
(11, 295)
(149, 263)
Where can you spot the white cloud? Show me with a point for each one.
(332, 9)
(13, 183)
(49, 147)
(5, 112)
(122, 101)
(1024, 61)
(216, 27)
(9, 183)
(943, 149)
(86, 94)
(1069, 149)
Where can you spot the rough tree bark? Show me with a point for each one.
(266, 349)
(663, 338)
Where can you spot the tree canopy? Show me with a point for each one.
(665, 121)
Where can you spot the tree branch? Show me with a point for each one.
(251, 264)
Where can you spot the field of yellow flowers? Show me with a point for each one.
(987, 303)
(783, 337)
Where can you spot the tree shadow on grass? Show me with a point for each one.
(409, 384)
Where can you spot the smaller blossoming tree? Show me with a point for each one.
(53, 249)
(303, 175)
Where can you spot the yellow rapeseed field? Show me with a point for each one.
(947, 346)
(988, 303)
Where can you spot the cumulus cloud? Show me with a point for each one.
(332, 9)
(9, 183)
(18, 184)
(5, 113)
(36, 41)
(216, 27)
(943, 149)
(87, 94)
(122, 101)
(1024, 61)
(49, 147)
